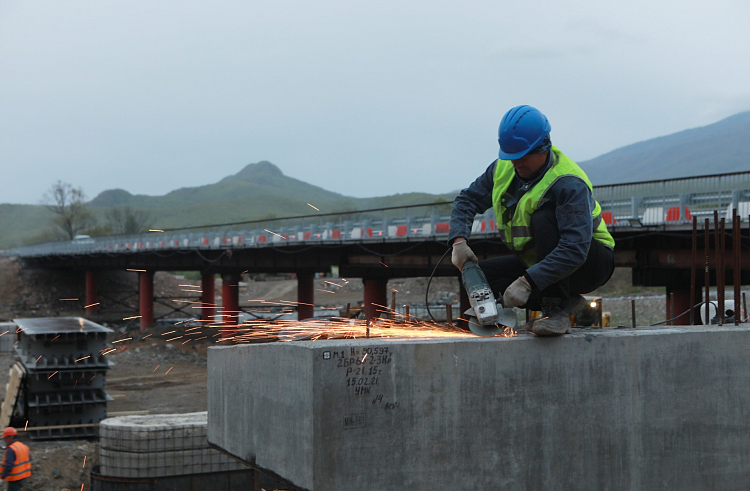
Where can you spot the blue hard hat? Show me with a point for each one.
(521, 130)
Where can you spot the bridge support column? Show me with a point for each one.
(92, 301)
(305, 296)
(208, 297)
(146, 298)
(682, 303)
(375, 293)
(230, 303)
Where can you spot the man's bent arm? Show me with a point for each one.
(477, 198)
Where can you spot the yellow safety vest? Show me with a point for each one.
(22, 466)
(515, 226)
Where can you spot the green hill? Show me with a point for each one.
(258, 191)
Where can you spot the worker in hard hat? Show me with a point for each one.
(547, 217)
(16, 466)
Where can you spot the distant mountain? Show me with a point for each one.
(261, 179)
(714, 149)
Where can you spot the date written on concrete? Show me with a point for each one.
(362, 366)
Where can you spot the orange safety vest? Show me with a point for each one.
(22, 467)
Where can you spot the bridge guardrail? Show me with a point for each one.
(672, 201)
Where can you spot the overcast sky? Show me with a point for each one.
(360, 98)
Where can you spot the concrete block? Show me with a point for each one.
(614, 409)
(159, 445)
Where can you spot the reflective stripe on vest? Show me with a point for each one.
(22, 467)
(515, 226)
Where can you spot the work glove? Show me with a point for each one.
(517, 294)
(462, 253)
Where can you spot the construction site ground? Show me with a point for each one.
(156, 376)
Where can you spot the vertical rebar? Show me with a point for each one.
(707, 273)
(449, 313)
(721, 265)
(393, 306)
(717, 251)
(406, 313)
(744, 307)
(693, 267)
(348, 308)
(632, 311)
(736, 254)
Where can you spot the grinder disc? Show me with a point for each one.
(505, 318)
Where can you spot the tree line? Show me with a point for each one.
(72, 215)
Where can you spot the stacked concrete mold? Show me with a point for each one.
(160, 445)
(65, 376)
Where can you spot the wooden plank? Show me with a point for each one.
(58, 427)
(17, 373)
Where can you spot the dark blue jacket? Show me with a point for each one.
(10, 459)
(573, 202)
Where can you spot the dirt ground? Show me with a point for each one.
(155, 375)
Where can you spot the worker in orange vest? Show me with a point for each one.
(16, 466)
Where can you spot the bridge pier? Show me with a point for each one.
(208, 297)
(375, 293)
(305, 296)
(230, 303)
(92, 301)
(146, 298)
(682, 303)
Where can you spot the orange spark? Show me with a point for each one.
(170, 369)
(155, 369)
(130, 318)
(51, 375)
(67, 299)
(79, 359)
(327, 291)
(314, 208)
(91, 305)
(84, 461)
(26, 425)
(137, 270)
(155, 230)
(144, 337)
(120, 340)
(381, 262)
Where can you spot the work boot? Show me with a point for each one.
(554, 320)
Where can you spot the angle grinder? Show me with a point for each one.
(484, 317)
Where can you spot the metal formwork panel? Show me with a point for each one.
(64, 393)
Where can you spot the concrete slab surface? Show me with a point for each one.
(614, 409)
